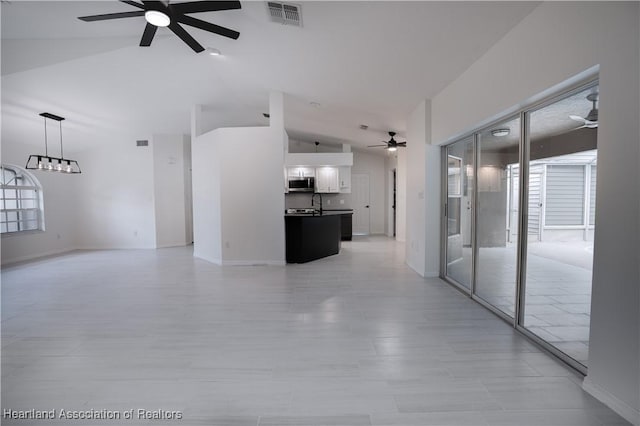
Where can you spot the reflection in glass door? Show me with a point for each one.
(561, 211)
(497, 222)
(460, 190)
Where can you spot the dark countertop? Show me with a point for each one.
(324, 213)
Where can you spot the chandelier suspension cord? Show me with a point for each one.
(46, 149)
(61, 154)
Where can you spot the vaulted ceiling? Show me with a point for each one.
(357, 62)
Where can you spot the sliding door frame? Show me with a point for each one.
(517, 321)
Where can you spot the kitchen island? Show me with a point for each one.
(311, 236)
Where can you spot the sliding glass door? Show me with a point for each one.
(497, 222)
(520, 218)
(561, 205)
(459, 257)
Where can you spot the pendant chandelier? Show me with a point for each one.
(48, 163)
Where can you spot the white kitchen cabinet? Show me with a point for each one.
(327, 179)
(301, 172)
(344, 174)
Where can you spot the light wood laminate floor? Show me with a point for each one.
(355, 339)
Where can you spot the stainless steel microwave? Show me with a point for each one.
(302, 184)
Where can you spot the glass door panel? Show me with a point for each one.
(459, 211)
(497, 222)
(561, 211)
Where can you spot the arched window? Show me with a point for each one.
(21, 204)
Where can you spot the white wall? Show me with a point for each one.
(552, 44)
(238, 197)
(188, 192)
(417, 137)
(252, 198)
(401, 195)
(206, 188)
(169, 189)
(60, 193)
(374, 166)
(423, 206)
(115, 196)
(296, 145)
(238, 200)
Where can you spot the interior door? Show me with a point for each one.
(361, 207)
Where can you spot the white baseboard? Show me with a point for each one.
(216, 261)
(253, 263)
(168, 245)
(419, 272)
(222, 262)
(38, 256)
(432, 274)
(622, 408)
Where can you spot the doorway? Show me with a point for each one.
(361, 207)
(392, 207)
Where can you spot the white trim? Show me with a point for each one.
(622, 408)
(253, 263)
(119, 247)
(174, 244)
(216, 260)
(419, 272)
(39, 256)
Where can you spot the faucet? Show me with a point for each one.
(314, 196)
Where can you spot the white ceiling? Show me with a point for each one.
(363, 62)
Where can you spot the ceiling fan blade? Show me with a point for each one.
(132, 3)
(374, 146)
(205, 6)
(401, 144)
(147, 35)
(112, 16)
(577, 118)
(212, 28)
(186, 37)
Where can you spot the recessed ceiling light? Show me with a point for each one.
(500, 132)
(157, 18)
(213, 51)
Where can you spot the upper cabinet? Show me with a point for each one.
(327, 180)
(332, 170)
(301, 172)
(344, 174)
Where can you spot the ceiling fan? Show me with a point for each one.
(163, 14)
(591, 120)
(392, 144)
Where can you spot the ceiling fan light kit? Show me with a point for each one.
(391, 145)
(48, 163)
(157, 18)
(161, 14)
(500, 132)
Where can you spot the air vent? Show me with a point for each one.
(285, 13)
(142, 143)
